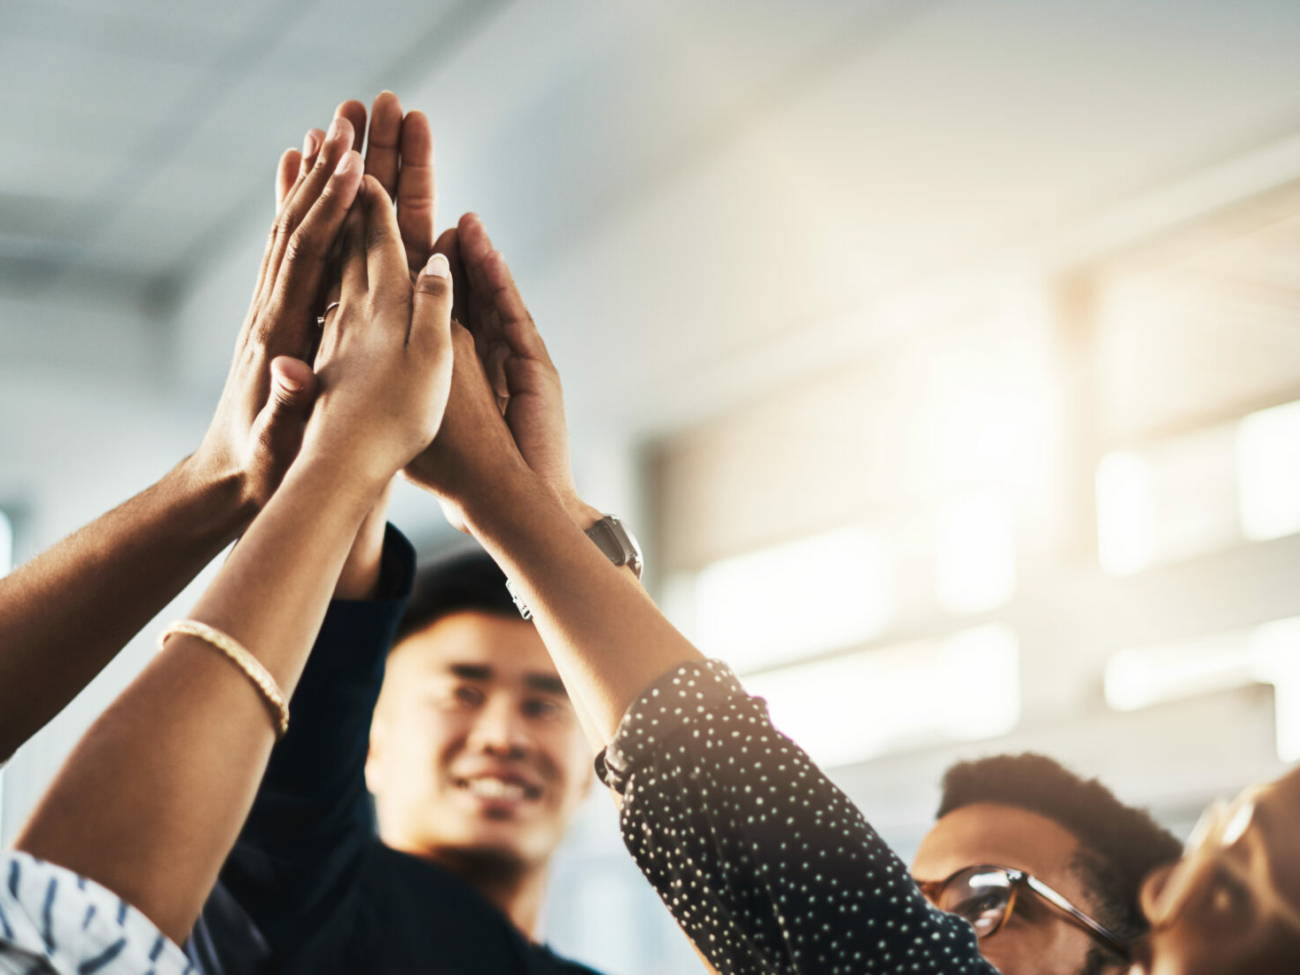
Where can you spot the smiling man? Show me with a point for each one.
(476, 762)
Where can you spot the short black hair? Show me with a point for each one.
(464, 581)
(1120, 844)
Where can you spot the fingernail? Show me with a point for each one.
(438, 267)
(336, 127)
(289, 385)
(347, 162)
(309, 144)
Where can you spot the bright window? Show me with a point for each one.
(819, 594)
(1266, 654)
(848, 709)
(1268, 472)
(1172, 500)
(975, 568)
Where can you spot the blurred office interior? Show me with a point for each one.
(945, 354)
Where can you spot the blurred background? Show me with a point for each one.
(945, 354)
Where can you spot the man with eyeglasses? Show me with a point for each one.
(1046, 866)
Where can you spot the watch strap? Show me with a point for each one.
(609, 535)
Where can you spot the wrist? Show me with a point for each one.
(220, 495)
(349, 475)
(583, 514)
(513, 490)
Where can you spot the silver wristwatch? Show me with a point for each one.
(612, 538)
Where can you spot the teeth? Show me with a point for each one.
(496, 789)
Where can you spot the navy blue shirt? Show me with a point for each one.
(308, 886)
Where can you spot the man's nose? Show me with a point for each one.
(499, 730)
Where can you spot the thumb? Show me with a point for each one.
(278, 429)
(431, 316)
(293, 387)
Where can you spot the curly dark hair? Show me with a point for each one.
(1119, 845)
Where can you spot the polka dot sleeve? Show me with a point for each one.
(766, 865)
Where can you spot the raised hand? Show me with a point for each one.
(384, 365)
(132, 809)
(260, 418)
(473, 448)
(515, 360)
(399, 155)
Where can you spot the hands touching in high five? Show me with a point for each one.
(115, 574)
(501, 361)
(134, 808)
(260, 418)
(496, 339)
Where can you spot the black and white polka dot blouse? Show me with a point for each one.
(767, 866)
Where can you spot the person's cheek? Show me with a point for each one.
(439, 739)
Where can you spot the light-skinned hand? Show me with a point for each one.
(384, 365)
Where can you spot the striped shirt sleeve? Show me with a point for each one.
(54, 922)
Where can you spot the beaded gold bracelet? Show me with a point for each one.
(241, 658)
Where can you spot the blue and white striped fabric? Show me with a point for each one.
(53, 922)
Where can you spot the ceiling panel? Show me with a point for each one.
(1204, 338)
(330, 34)
(54, 74)
(152, 27)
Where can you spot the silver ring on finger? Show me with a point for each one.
(320, 319)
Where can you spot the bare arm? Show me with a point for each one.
(66, 614)
(604, 632)
(608, 639)
(152, 799)
(525, 390)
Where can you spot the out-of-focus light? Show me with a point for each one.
(819, 594)
(975, 568)
(872, 702)
(1266, 654)
(1126, 515)
(6, 544)
(1268, 472)
(1275, 659)
(1139, 677)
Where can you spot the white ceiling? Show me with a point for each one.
(698, 197)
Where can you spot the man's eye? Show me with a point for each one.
(543, 708)
(467, 695)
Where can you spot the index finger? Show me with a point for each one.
(416, 190)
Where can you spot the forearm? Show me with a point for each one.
(359, 577)
(311, 815)
(151, 801)
(65, 614)
(607, 637)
